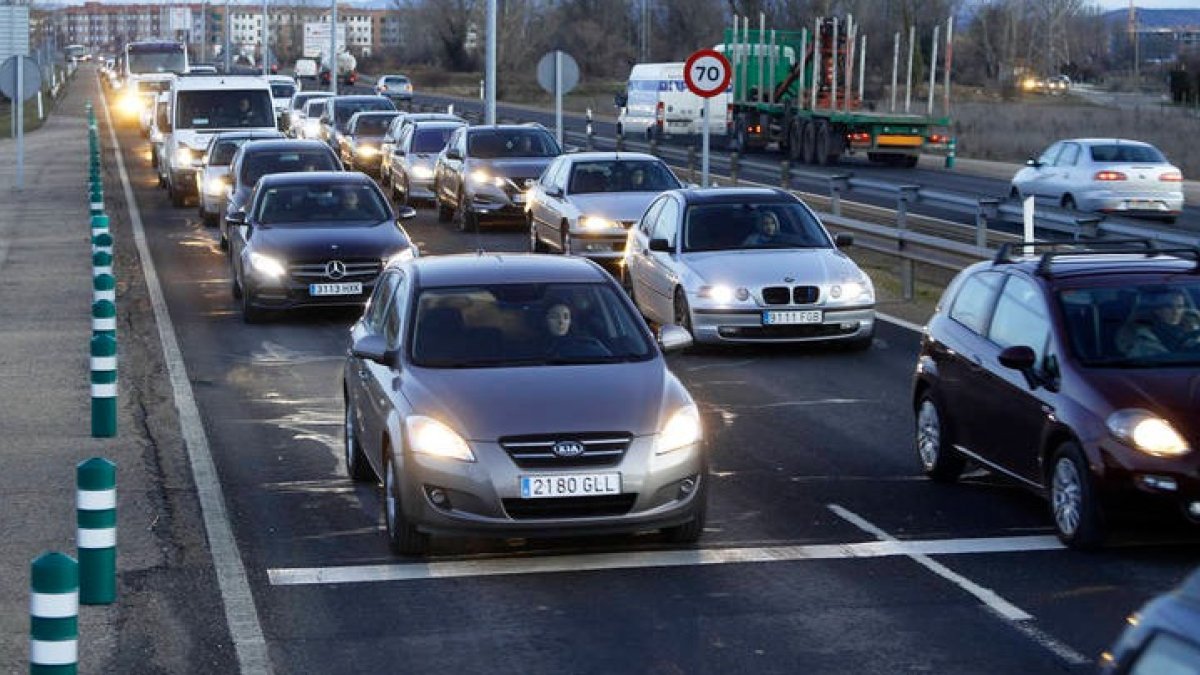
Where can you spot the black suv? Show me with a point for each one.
(484, 169)
(1074, 371)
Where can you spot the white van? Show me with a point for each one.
(657, 102)
(201, 106)
(306, 69)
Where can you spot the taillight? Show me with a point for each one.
(660, 114)
(1109, 176)
(860, 137)
(938, 138)
(1171, 177)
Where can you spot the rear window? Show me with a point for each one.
(260, 164)
(1121, 154)
(344, 110)
(282, 89)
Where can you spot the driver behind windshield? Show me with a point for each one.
(1164, 323)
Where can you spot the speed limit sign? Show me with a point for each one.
(707, 73)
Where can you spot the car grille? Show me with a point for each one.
(569, 507)
(796, 295)
(356, 270)
(536, 452)
(784, 332)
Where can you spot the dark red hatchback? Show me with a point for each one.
(1075, 371)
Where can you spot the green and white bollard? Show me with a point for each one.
(101, 264)
(99, 224)
(102, 243)
(104, 287)
(54, 615)
(96, 200)
(104, 318)
(104, 386)
(96, 517)
(953, 150)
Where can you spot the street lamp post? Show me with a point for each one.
(265, 42)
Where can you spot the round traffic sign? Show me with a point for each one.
(707, 73)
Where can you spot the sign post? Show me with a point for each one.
(707, 74)
(557, 73)
(20, 80)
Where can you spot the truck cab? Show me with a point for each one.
(203, 106)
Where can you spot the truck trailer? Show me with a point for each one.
(796, 89)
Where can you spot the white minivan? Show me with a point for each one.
(657, 103)
(202, 106)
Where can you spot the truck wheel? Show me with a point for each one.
(809, 150)
(795, 149)
(824, 150)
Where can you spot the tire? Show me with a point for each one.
(444, 213)
(357, 466)
(564, 239)
(235, 286)
(796, 142)
(403, 536)
(178, 200)
(691, 531)
(825, 152)
(463, 218)
(809, 150)
(536, 245)
(1068, 202)
(250, 313)
(683, 313)
(405, 199)
(940, 462)
(1074, 507)
(1015, 194)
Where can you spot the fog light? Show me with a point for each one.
(849, 325)
(1164, 483)
(438, 496)
(686, 486)
(1194, 509)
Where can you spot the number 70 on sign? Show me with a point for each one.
(707, 73)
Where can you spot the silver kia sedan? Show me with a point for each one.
(584, 203)
(1109, 175)
(517, 396)
(746, 265)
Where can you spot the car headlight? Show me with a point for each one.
(312, 127)
(183, 156)
(852, 292)
(131, 103)
(216, 186)
(431, 437)
(1147, 432)
(597, 223)
(481, 177)
(682, 430)
(266, 265)
(366, 151)
(400, 256)
(723, 294)
(421, 171)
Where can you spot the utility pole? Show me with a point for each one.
(332, 50)
(265, 42)
(228, 39)
(490, 69)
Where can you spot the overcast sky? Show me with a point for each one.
(1151, 4)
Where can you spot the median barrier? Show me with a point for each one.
(104, 318)
(104, 287)
(99, 225)
(104, 386)
(54, 615)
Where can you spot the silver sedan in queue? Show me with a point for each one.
(746, 265)
(584, 203)
(517, 395)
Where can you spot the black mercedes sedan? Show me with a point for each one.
(313, 239)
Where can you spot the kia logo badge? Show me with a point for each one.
(335, 269)
(567, 449)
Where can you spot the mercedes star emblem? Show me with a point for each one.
(335, 269)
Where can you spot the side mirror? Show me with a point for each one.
(843, 239)
(660, 245)
(453, 153)
(674, 338)
(1021, 358)
(374, 348)
(405, 213)
(1032, 162)
(236, 218)
(554, 191)
(621, 100)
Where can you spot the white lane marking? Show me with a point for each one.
(728, 364)
(448, 569)
(819, 401)
(1017, 617)
(240, 613)
(895, 320)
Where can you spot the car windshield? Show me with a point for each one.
(282, 89)
(1122, 154)
(432, 140)
(495, 143)
(621, 176)
(223, 150)
(716, 227)
(314, 108)
(302, 99)
(373, 125)
(1144, 326)
(321, 204)
(170, 59)
(224, 109)
(259, 164)
(344, 110)
(523, 325)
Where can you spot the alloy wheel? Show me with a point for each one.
(1066, 496)
(929, 434)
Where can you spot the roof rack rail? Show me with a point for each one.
(1004, 253)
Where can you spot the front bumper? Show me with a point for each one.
(603, 246)
(289, 293)
(730, 325)
(497, 204)
(1130, 473)
(483, 497)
